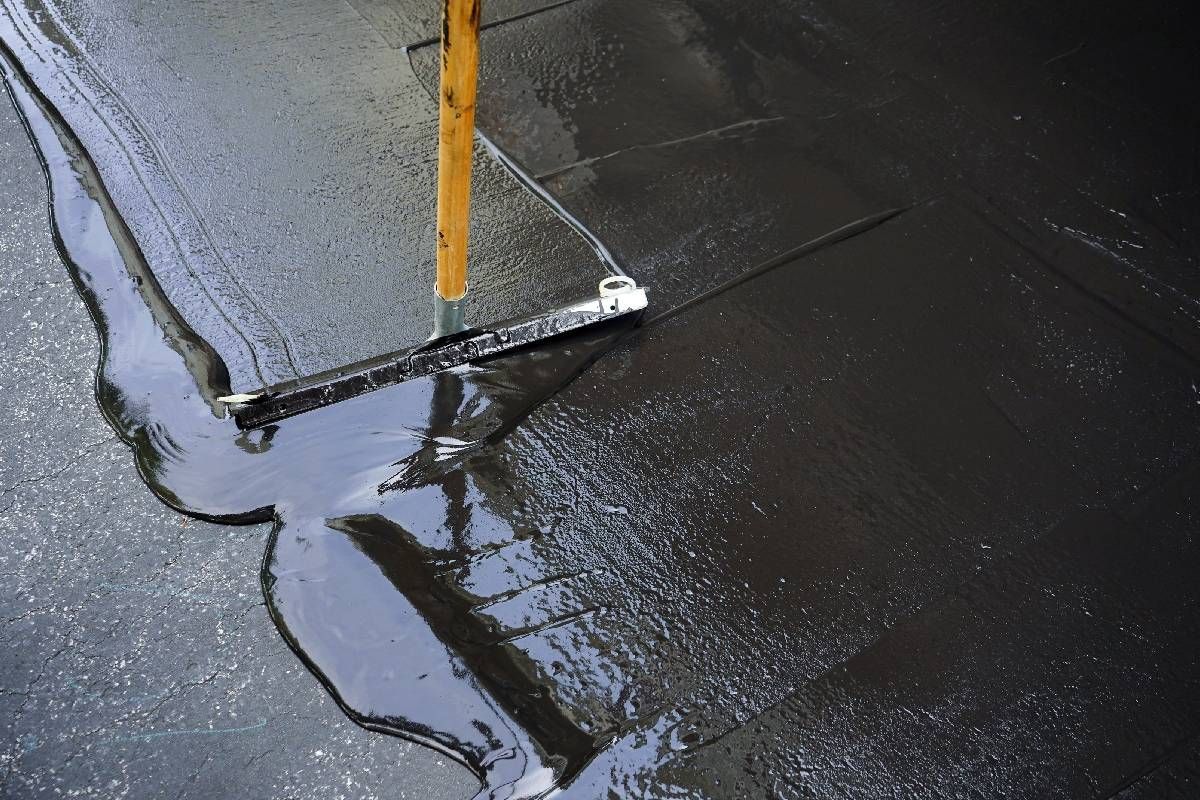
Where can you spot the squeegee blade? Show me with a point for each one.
(273, 403)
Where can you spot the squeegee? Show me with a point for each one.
(453, 342)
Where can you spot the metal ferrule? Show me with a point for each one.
(449, 316)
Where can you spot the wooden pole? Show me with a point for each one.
(456, 134)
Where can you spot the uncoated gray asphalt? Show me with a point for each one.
(138, 660)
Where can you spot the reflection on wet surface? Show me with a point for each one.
(910, 512)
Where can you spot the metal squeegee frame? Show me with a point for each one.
(619, 296)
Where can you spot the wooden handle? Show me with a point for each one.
(456, 134)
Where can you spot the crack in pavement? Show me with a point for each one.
(56, 473)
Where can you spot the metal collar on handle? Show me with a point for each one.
(449, 316)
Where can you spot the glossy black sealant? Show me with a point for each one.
(894, 496)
